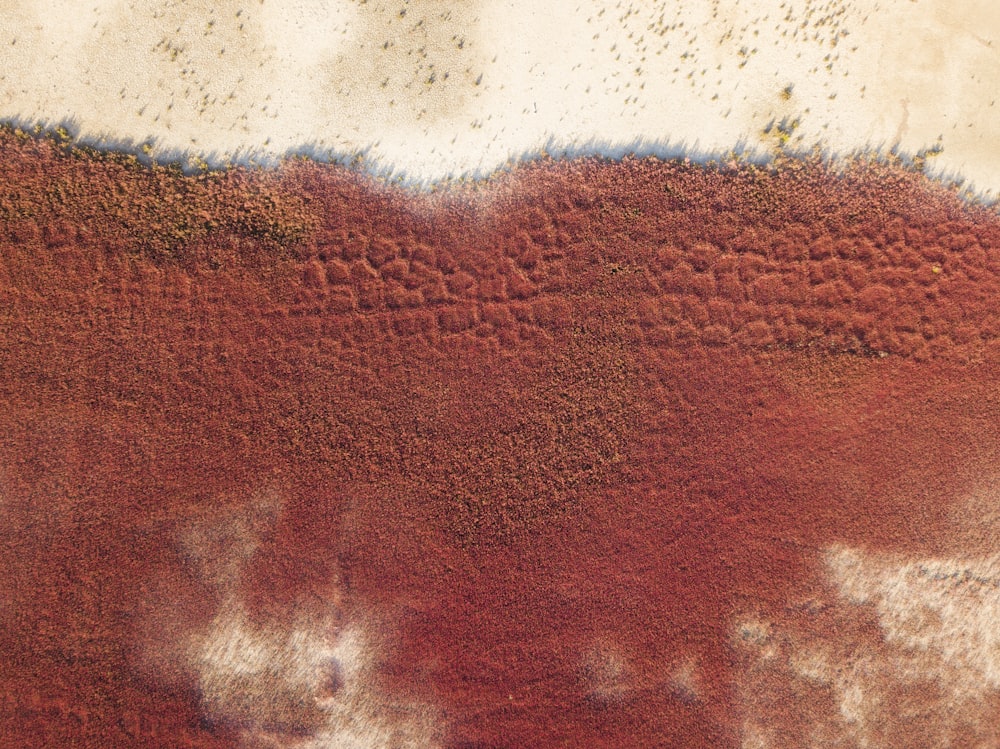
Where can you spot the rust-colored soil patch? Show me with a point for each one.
(575, 457)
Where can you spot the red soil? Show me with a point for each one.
(561, 429)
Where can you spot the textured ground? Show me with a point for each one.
(592, 454)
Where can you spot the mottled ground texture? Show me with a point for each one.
(591, 454)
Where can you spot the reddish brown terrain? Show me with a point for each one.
(591, 454)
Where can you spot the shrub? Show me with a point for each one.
(337, 272)
(381, 251)
(878, 299)
(457, 318)
(314, 274)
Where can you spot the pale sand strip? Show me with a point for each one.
(431, 88)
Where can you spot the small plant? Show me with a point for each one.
(783, 130)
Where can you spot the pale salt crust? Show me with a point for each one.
(932, 675)
(312, 682)
(428, 89)
(925, 668)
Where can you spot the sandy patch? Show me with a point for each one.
(427, 90)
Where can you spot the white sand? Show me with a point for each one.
(430, 89)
